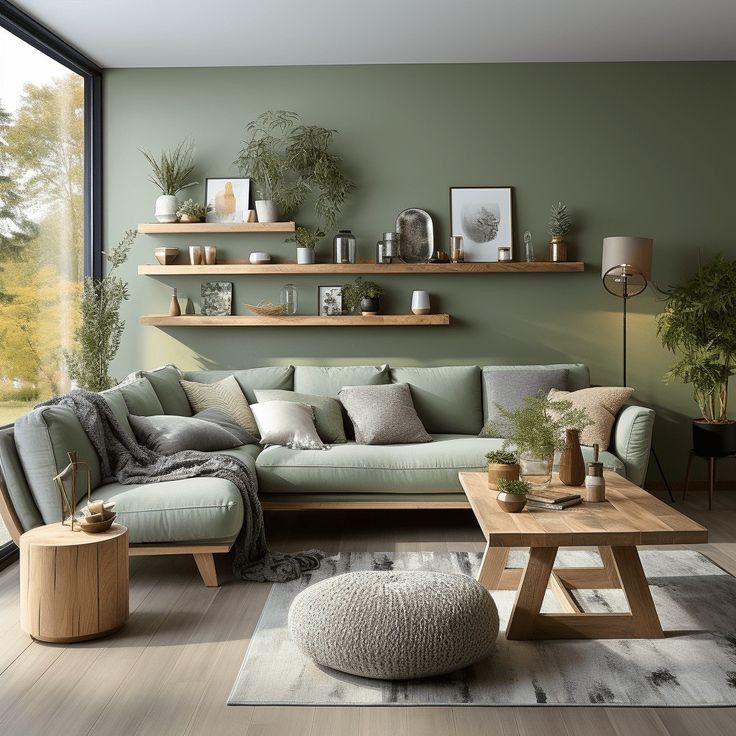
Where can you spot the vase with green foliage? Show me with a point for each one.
(171, 172)
(502, 464)
(100, 327)
(306, 240)
(560, 224)
(698, 325)
(536, 430)
(363, 295)
(512, 494)
(191, 211)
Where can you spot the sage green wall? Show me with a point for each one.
(645, 149)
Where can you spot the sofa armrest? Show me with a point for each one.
(631, 440)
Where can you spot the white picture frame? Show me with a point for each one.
(227, 199)
(329, 301)
(483, 217)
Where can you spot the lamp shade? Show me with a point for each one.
(633, 253)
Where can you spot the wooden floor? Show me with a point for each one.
(169, 671)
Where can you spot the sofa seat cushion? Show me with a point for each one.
(189, 510)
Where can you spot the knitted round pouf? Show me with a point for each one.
(394, 625)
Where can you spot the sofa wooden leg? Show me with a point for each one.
(206, 567)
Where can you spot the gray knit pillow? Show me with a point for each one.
(383, 415)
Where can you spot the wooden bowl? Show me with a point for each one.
(95, 527)
(511, 503)
(166, 256)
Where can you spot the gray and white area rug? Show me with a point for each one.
(694, 665)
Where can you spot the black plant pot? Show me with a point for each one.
(714, 440)
(369, 305)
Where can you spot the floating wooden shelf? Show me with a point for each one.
(169, 228)
(379, 320)
(236, 269)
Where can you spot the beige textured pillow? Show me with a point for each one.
(225, 395)
(602, 404)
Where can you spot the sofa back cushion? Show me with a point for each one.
(577, 377)
(447, 399)
(327, 380)
(15, 482)
(43, 438)
(116, 400)
(140, 398)
(165, 382)
(250, 379)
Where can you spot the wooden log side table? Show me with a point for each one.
(73, 585)
(711, 474)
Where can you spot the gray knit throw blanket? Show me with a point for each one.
(124, 460)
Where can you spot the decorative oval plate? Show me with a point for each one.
(416, 235)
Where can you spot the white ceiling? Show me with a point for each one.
(150, 33)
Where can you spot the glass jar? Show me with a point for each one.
(536, 470)
(288, 298)
(343, 248)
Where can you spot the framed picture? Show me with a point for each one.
(329, 301)
(226, 199)
(482, 215)
(217, 298)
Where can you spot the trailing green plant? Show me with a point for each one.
(698, 325)
(190, 208)
(502, 457)
(357, 290)
(536, 429)
(172, 170)
(515, 487)
(100, 327)
(265, 159)
(306, 237)
(560, 222)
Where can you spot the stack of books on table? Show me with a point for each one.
(551, 500)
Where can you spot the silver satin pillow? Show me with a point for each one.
(287, 423)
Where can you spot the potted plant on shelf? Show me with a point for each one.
(191, 211)
(536, 431)
(698, 325)
(171, 172)
(512, 494)
(560, 224)
(306, 240)
(362, 294)
(501, 464)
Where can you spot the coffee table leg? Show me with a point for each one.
(492, 567)
(530, 594)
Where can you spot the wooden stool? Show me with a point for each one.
(711, 474)
(73, 585)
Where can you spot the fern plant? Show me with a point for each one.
(100, 327)
(306, 237)
(172, 170)
(560, 222)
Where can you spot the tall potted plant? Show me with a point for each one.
(171, 172)
(698, 325)
(560, 224)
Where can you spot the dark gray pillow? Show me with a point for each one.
(509, 387)
(208, 431)
(383, 415)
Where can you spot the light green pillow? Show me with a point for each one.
(165, 382)
(327, 412)
(140, 398)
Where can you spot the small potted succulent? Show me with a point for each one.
(560, 224)
(501, 464)
(306, 240)
(512, 494)
(191, 211)
(362, 294)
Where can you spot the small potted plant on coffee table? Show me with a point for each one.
(501, 464)
(512, 494)
(362, 294)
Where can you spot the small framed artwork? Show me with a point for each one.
(329, 301)
(482, 215)
(217, 298)
(227, 199)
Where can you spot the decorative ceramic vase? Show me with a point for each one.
(195, 255)
(712, 439)
(511, 503)
(557, 250)
(496, 471)
(190, 218)
(536, 470)
(304, 256)
(369, 305)
(266, 210)
(166, 207)
(174, 308)
(210, 255)
(572, 464)
(420, 302)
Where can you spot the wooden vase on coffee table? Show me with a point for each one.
(496, 471)
(572, 464)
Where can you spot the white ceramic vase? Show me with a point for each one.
(420, 302)
(166, 207)
(266, 210)
(304, 256)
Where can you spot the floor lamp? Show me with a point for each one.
(626, 271)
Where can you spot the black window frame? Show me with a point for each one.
(28, 29)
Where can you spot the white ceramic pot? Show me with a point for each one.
(259, 257)
(304, 256)
(266, 210)
(420, 302)
(166, 207)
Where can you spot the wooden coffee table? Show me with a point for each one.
(628, 517)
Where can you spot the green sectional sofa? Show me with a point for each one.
(203, 516)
